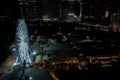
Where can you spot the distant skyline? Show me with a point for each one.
(11, 7)
(72, 0)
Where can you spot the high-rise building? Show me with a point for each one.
(28, 8)
(29, 11)
(71, 8)
(49, 8)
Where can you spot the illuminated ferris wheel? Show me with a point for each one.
(22, 44)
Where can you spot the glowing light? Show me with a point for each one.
(30, 78)
(34, 53)
(22, 41)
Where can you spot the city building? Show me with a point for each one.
(29, 11)
(49, 8)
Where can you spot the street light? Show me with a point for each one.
(34, 52)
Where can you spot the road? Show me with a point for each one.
(5, 67)
(30, 74)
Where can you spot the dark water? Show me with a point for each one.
(7, 32)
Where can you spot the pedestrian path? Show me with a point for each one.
(6, 66)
